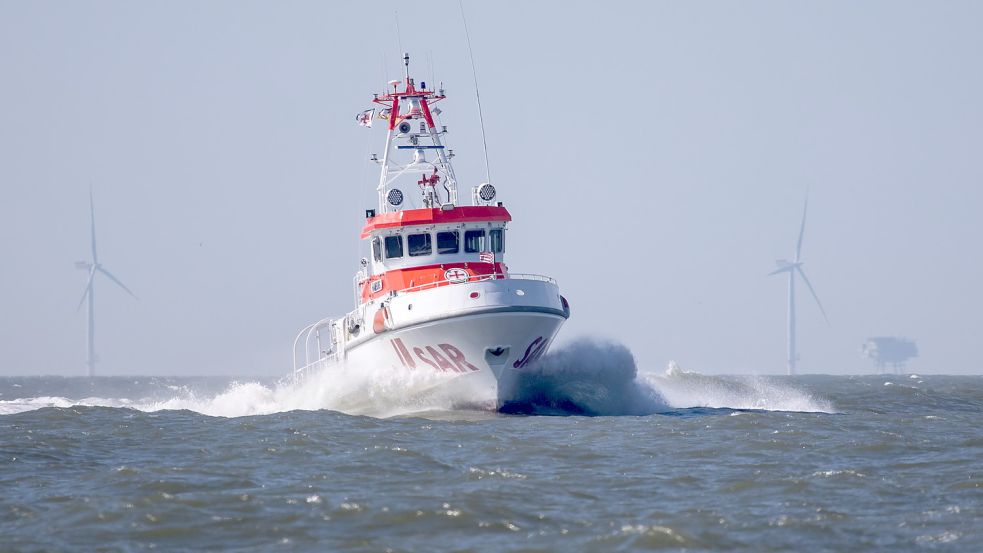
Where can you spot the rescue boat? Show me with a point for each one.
(435, 293)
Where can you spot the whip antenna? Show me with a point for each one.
(474, 73)
(399, 38)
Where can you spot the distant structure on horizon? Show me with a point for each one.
(888, 350)
(92, 268)
(793, 267)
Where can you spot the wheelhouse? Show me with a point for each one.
(417, 249)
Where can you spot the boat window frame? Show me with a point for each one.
(498, 247)
(429, 244)
(448, 251)
(377, 249)
(398, 238)
(481, 243)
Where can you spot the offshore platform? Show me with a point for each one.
(887, 351)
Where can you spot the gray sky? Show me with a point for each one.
(655, 157)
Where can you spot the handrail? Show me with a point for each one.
(307, 341)
(297, 339)
(301, 371)
(306, 333)
(475, 278)
(360, 277)
(531, 276)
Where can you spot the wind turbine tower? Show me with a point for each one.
(794, 268)
(92, 268)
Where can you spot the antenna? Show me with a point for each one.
(474, 73)
(385, 71)
(430, 60)
(399, 39)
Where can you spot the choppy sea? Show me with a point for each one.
(600, 457)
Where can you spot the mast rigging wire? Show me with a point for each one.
(399, 38)
(474, 73)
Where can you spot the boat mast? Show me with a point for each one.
(401, 109)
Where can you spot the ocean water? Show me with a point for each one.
(371, 460)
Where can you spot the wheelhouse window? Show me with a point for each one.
(394, 247)
(496, 239)
(419, 244)
(376, 249)
(448, 242)
(474, 241)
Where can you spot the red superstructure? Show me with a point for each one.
(425, 240)
(410, 217)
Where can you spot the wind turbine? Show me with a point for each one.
(792, 268)
(92, 268)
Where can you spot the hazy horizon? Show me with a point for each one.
(655, 158)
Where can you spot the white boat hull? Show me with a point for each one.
(486, 352)
(475, 337)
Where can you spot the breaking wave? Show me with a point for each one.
(601, 378)
(685, 389)
(587, 377)
(352, 390)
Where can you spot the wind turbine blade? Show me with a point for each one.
(802, 231)
(92, 219)
(117, 281)
(809, 285)
(780, 270)
(88, 287)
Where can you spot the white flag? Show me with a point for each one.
(365, 118)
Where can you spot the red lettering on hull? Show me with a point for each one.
(451, 360)
(458, 358)
(423, 357)
(403, 354)
(439, 359)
